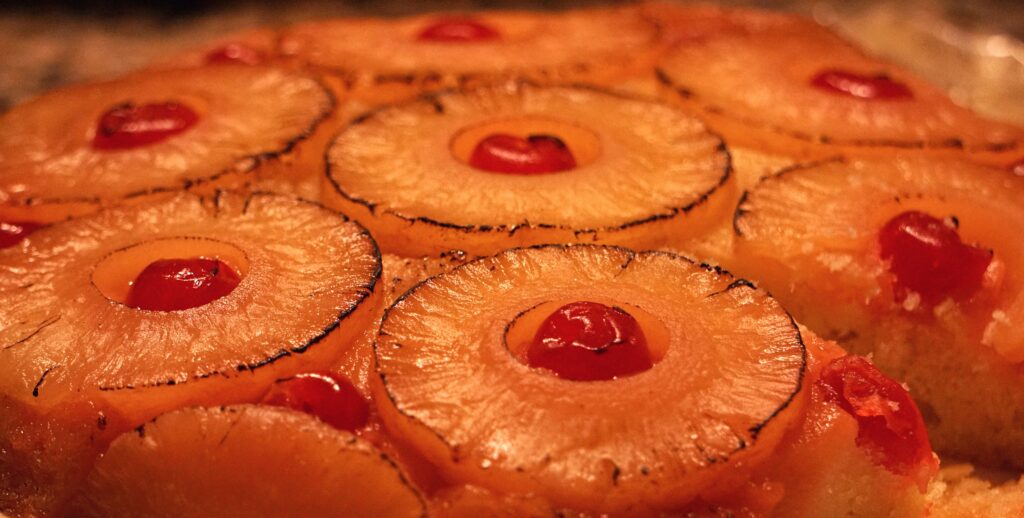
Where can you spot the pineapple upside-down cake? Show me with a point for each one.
(647, 260)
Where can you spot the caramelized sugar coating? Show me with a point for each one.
(245, 117)
(565, 45)
(308, 283)
(812, 234)
(308, 289)
(721, 395)
(764, 89)
(646, 174)
(245, 461)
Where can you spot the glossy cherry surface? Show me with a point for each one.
(589, 341)
(890, 426)
(458, 30)
(332, 399)
(536, 154)
(846, 83)
(175, 284)
(927, 257)
(12, 232)
(128, 126)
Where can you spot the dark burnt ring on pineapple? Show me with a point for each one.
(298, 42)
(494, 232)
(714, 269)
(741, 211)
(365, 292)
(462, 458)
(951, 143)
(891, 250)
(197, 430)
(55, 208)
(229, 205)
(816, 45)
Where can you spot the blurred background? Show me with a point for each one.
(972, 48)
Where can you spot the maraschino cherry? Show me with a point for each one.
(889, 425)
(176, 284)
(879, 87)
(334, 400)
(588, 341)
(536, 154)
(12, 232)
(129, 126)
(458, 30)
(927, 257)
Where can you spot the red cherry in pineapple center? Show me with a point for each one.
(234, 53)
(128, 125)
(175, 284)
(879, 87)
(927, 257)
(589, 341)
(12, 232)
(334, 400)
(536, 154)
(889, 425)
(458, 30)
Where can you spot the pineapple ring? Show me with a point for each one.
(245, 461)
(448, 385)
(260, 42)
(755, 88)
(309, 290)
(567, 44)
(962, 365)
(248, 115)
(659, 178)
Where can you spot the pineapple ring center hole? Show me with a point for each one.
(583, 143)
(114, 274)
(520, 332)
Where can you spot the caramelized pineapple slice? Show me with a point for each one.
(247, 47)
(72, 337)
(938, 311)
(454, 383)
(72, 331)
(244, 461)
(430, 48)
(72, 150)
(643, 173)
(799, 88)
